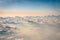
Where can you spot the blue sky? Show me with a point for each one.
(30, 5)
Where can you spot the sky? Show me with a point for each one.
(36, 31)
(29, 7)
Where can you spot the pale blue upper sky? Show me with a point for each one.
(33, 5)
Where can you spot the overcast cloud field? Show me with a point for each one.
(30, 28)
